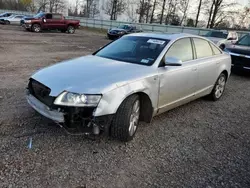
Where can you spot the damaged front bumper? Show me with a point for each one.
(45, 110)
(74, 120)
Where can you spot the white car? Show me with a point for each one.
(131, 79)
(15, 19)
(222, 38)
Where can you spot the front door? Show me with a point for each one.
(178, 84)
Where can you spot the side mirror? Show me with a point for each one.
(172, 61)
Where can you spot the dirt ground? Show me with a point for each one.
(201, 144)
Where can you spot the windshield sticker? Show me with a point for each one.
(144, 61)
(155, 41)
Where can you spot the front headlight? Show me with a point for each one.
(121, 32)
(77, 100)
(27, 21)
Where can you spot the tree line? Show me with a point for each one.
(205, 13)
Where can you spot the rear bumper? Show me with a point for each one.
(45, 110)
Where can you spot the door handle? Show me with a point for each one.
(217, 63)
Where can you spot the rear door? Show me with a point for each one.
(208, 61)
(58, 21)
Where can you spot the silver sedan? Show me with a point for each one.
(130, 80)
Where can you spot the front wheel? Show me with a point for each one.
(36, 28)
(71, 29)
(219, 87)
(126, 120)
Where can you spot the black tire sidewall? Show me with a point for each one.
(123, 124)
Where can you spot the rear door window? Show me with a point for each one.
(202, 47)
(57, 16)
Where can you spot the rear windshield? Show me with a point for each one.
(134, 49)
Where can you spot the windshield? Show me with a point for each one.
(39, 15)
(124, 27)
(133, 49)
(216, 34)
(244, 41)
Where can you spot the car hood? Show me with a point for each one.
(239, 49)
(90, 75)
(215, 40)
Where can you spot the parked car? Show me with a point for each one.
(50, 21)
(222, 38)
(15, 19)
(131, 79)
(2, 19)
(6, 14)
(118, 32)
(240, 53)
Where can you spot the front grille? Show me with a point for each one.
(41, 92)
(241, 61)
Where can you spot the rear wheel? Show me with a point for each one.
(126, 120)
(219, 87)
(36, 28)
(71, 29)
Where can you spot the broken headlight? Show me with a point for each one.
(77, 100)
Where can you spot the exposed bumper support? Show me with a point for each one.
(45, 110)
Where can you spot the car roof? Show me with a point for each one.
(166, 36)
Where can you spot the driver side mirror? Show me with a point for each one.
(172, 61)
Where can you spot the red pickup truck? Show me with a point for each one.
(50, 21)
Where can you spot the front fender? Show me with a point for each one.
(111, 100)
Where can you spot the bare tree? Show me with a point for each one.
(148, 9)
(131, 11)
(153, 11)
(183, 7)
(162, 11)
(141, 10)
(218, 11)
(90, 8)
(198, 13)
(113, 8)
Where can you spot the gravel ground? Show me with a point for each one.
(201, 144)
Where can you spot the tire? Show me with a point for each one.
(36, 28)
(219, 87)
(71, 29)
(126, 120)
